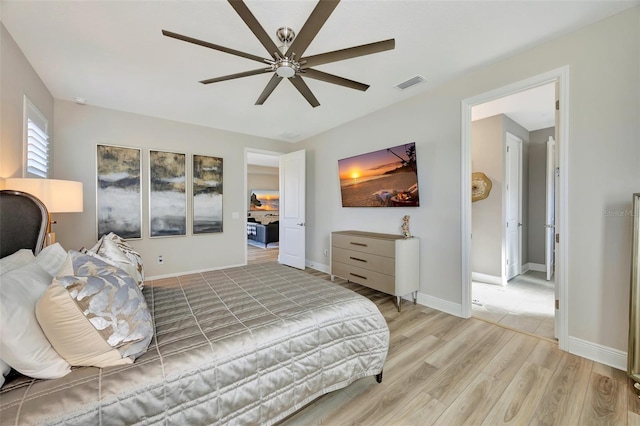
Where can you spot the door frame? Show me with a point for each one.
(561, 76)
(246, 192)
(505, 202)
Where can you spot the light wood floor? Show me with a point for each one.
(261, 255)
(445, 370)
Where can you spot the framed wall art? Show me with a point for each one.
(167, 194)
(118, 196)
(207, 194)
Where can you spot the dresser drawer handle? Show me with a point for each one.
(358, 244)
(356, 275)
(359, 260)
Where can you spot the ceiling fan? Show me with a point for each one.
(288, 62)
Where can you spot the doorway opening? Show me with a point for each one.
(505, 252)
(262, 212)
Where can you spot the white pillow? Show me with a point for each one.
(51, 259)
(4, 370)
(16, 260)
(23, 345)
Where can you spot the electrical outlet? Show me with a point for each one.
(160, 259)
(326, 252)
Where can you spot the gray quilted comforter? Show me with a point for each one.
(246, 345)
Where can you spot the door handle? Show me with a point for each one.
(300, 224)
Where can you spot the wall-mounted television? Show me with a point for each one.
(265, 200)
(384, 178)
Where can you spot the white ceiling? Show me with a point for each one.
(533, 109)
(112, 53)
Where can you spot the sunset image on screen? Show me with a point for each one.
(385, 178)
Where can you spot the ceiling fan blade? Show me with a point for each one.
(307, 33)
(238, 75)
(212, 46)
(351, 52)
(253, 24)
(304, 90)
(271, 85)
(330, 78)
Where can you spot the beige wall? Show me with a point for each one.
(18, 79)
(80, 128)
(602, 174)
(487, 142)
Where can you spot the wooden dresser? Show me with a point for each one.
(384, 262)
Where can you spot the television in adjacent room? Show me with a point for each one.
(265, 200)
(384, 178)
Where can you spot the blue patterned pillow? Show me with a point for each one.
(101, 303)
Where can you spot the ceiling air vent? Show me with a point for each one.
(411, 82)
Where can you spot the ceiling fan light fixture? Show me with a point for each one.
(286, 69)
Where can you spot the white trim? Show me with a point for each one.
(486, 278)
(440, 304)
(538, 267)
(561, 75)
(318, 266)
(197, 271)
(605, 355)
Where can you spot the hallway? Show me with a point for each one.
(525, 304)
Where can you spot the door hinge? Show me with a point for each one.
(558, 238)
(507, 149)
(557, 304)
(557, 105)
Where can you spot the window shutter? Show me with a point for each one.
(36, 142)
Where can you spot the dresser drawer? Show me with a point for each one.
(380, 247)
(368, 278)
(372, 262)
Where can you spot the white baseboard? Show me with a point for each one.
(538, 267)
(440, 304)
(486, 278)
(197, 271)
(318, 266)
(602, 354)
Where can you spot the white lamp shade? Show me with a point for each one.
(59, 196)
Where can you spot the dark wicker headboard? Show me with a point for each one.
(23, 222)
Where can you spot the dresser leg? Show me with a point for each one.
(399, 303)
(415, 297)
(379, 377)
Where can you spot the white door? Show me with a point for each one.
(550, 221)
(292, 209)
(513, 173)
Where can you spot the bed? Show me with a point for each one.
(245, 345)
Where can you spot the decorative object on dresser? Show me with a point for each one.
(384, 262)
(405, 226)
